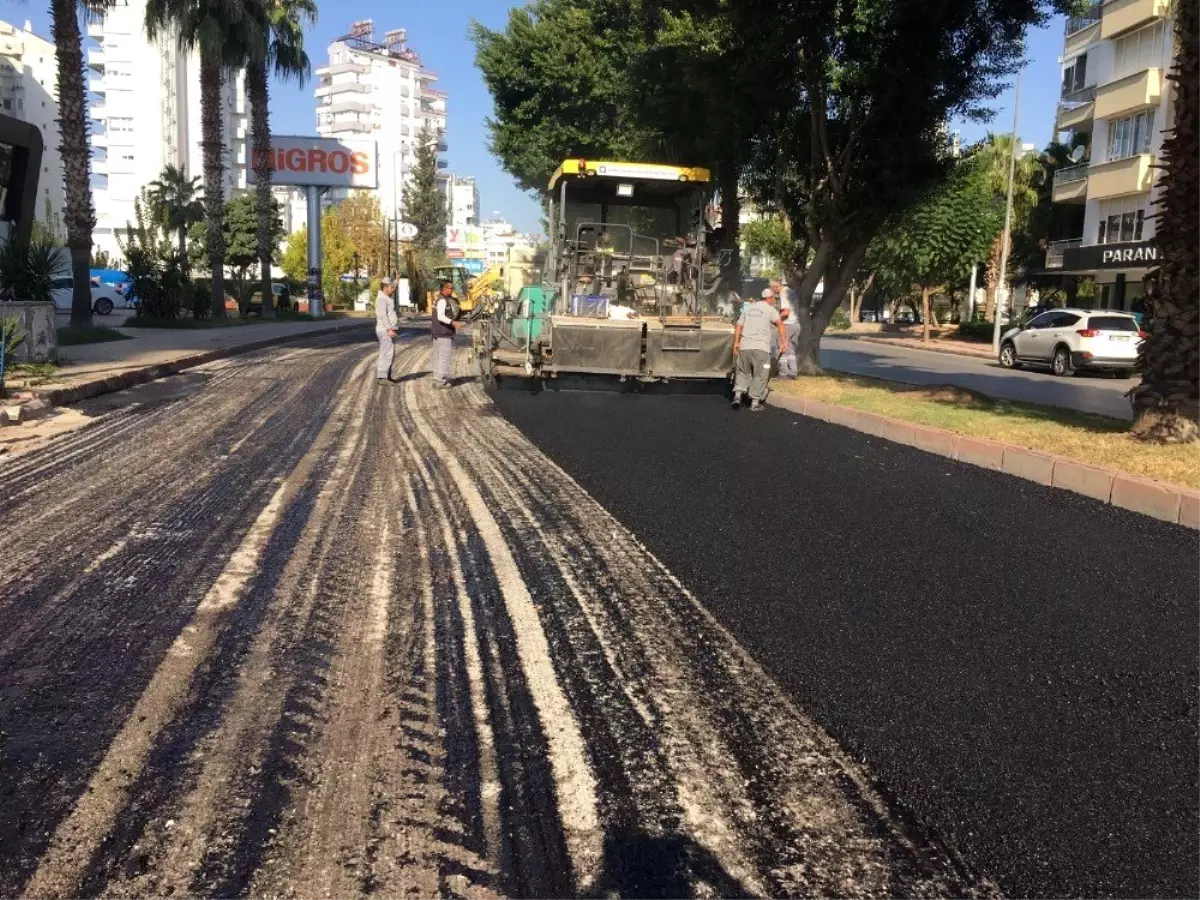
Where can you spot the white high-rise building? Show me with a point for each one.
(463, 202)
(380, 92)
(29, 92)
(145, 110)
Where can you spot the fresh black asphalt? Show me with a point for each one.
(1017, 666)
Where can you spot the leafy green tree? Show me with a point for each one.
(769, 237)
(175, 201)
(425, 206)
(937, 239)
(280, 50)
(239, 233)
(1029, 174)
(558, 76)
(226, 34)
(1167, 402)
(862, 91)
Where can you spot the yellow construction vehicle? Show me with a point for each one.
(472, 291)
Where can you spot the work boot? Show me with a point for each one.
(737, 402)
(756, 406)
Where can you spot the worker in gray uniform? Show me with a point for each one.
(387, 321)
(759, 323)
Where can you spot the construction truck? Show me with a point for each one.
(471, 290)
(629, 288)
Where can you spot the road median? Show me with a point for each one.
(1088, 455)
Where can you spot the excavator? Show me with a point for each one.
(474, 292)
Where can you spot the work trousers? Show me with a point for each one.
(387, 352)
(787, 356)
(443, 352)
(753, 374)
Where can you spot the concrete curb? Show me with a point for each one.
(1141, 495)
(930, 348)
(110, 383)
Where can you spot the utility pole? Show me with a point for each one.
(971, 293)
(1002, 288)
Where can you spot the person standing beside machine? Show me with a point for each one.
(441, 327)
(752, 337)
(386, 323)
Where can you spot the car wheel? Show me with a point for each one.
(103, 306)
(1008, 357)
(1060, 365)
(1124, 373)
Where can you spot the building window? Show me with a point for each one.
(1121, 228)
(1138, 51)
(1130, 136)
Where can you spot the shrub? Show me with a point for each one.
(28, 269)
(840, 321)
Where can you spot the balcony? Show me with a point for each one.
(1120, 177)
(1120, 16)
(358, 68)
(96, 59)
(1077, 110)
(350, 106)
(1057, 249)
(1129, 94)
(95, 29)
(1071, 184)
(1082, 31)
(333, 89)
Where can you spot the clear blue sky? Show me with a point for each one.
(438, 32)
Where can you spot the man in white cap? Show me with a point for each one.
(387, 321)
(752, 337)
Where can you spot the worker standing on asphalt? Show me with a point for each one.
(787, 311)
(442, 328)
(752, 347)
(387, 321)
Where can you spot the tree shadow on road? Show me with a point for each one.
(637, 864)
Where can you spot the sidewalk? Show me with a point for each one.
(89, 370)
(945, 345)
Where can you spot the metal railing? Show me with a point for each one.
(1070, 174)
(1085, 19)
(1056, 250)
(1079, 97)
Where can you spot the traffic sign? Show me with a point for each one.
(406, 231)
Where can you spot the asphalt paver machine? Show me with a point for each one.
(629, 287)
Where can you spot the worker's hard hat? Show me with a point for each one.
(767, 293)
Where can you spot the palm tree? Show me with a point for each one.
(73, 148)
(281, 49)
(997, 152)
(177, 204)
(224, 33)
(1167, 402)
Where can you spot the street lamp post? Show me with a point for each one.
(394, 234)
(1002, 289)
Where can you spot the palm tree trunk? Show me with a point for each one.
(76, 157)
(212, 144)
(992, 279)
(264, 205)
(1167, 402)
(925, 310)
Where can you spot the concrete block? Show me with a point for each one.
(35, 409)
(37, 321)
(1149, 498)
(847, 418)
(979, 452)
(818, 410)
(934, 440)
(13, 414)
(1189, 509)
(1090, 481)
(1027, 464)
(898, 432)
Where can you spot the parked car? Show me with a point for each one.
(868, 315)
(283, 300)
(1069, 340)
(105, 297)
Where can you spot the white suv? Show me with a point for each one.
(1067, 340)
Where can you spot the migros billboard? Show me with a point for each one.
(319, 162)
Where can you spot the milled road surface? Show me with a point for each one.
(1017, 665)
(272, 629)
(1090, 392)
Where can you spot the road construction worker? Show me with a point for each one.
(787, 351)
(752, 348)
(441, 327)
(386, 323)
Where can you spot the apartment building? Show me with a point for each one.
(462, 201)
(379, 90)
(145, 110)
(1117, 101)
(29, 92)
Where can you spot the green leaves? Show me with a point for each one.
(425, 205)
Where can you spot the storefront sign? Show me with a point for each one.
(323, 162)
(1137, 255)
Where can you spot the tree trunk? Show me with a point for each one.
(213, 146)
(925, 309)
(1167, 402)
(264, 204)
(813, 318)
(76, 156)
(992, 279)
